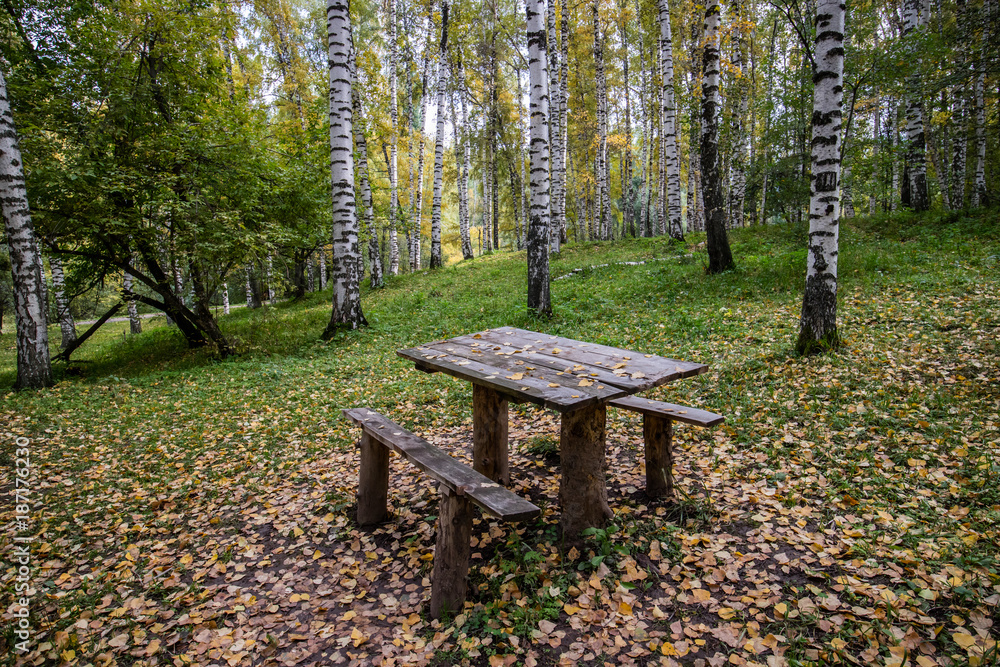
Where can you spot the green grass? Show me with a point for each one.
(902, 421)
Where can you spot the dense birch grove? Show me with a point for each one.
(175, 151)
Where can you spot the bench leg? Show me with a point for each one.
(373, 481)
(583, 492)
(451, 554)
(489, 434)
(658, 436)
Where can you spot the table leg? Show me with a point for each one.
(658, 435)
(583, 492)
(489, 434)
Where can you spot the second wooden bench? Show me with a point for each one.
(657, 433)
(461, 487)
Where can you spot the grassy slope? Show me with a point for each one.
(888, 445)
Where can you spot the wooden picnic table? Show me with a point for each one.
(573, 377)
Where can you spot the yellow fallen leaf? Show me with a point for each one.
(570, 609)
(553, 384)
(153, 647)
(624, 608)
(924, 661)
(702, 595)
(516, 376)
(298, 532)
(727, 613)
(666, 648)
(838, 644)
(586, 383)
(358, 638)
(963, 639)
(780, 610)
(68, 655)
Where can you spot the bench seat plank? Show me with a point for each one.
(680, 413)
(454, 474)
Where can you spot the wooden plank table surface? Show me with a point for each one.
(573, 377)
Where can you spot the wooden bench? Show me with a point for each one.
(658, 432)
(461, 487)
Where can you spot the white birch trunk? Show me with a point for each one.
(437, 258)
(418, 184)
(916, 160)
(367, 212)
(249, 286)
(322, 269)
(269, 267)
(603, 201)
(669, 121)
(394, 146)
(979, 194)
(225, 300)
(741, 91)
(34, 367)
(561, 176)
(555, 130)
(818, 326)
(67, 326)
(135, 324)
(720, 256)
(346, 311)
(539, 297)
(461, 164)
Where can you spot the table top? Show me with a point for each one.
(559, 373)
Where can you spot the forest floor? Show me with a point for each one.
(190, 511)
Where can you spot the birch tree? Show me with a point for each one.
(603, 201)
(394, 145)
(34, 367)
(720, 257)
(555, 129)
(539, 297)
(346, 312)
(67, 326)
(818, 325)
(437, 259)
(368, 215)
(668, 118)
(916, 161)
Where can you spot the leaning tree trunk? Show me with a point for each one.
(539, 298)
(346, 312)
(668, 112)
(555, 131)
(437, 259)
(34, 367)
(916, 161)
(67, 326)
(818, 326)
(368, 216)
(720, 257)
(394, 146)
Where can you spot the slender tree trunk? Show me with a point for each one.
(668, 111)
(741, 92)
(225, 304)
(818, 326)
(555, 129)
(916, 161)
(367, 212)
(563, 119)
(891, 124)
(394, 146)
(34, 366)
(979, 194)
(322, 252)
(539, 299)
(67, 326)
(720, 257)
(418, 187)
(462, 159)
(437, 258)
(346, 311)
(628, 222)
(603, 201)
